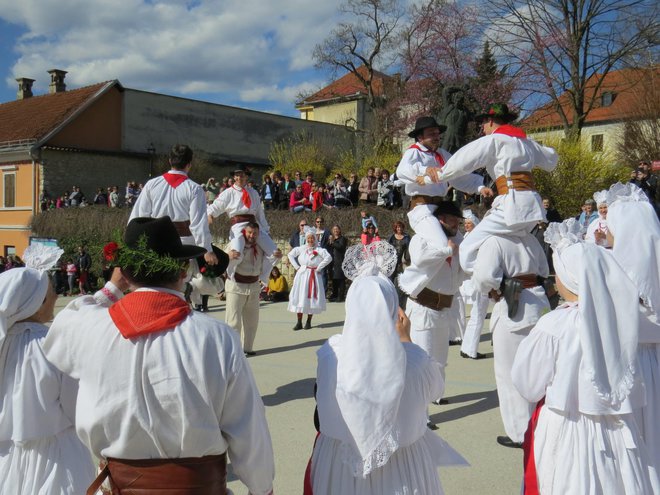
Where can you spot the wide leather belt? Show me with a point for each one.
(519, 181)
(246, 279)
(242, 218)
(183, 228)
(433, 300)
(529, 280)
(185, 476)
(422, 199)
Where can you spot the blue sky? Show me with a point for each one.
(249, 53)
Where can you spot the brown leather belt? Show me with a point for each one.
(528, 280)
(422, 199)
(246, 279)
(186, 476)
(520, 181)
(242, 218)
(433, 300)
(183, 228)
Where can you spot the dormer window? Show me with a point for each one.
(607, 98)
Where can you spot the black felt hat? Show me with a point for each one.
(448, 208)
(425, 123)
(497, 111)
(161, 237)
(240, 169)
(214, 270)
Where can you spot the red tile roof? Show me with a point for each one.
(630, 88)
(33, 118)
(347, 86)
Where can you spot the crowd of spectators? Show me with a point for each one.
(104, 196)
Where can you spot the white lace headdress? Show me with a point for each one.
(377, 258)
(600, 197)
(23, 290)
(634, 225)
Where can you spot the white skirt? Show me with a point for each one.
(411, 470)
(300, 299)
(590, 455)
(57, 465)
(648, 417)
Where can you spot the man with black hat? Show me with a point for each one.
(511, 269)
(174, 195)
(509, 157)
(242, 204)
(165, 394)
(431, 281)
(419, 170)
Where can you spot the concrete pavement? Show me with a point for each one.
(285, 370)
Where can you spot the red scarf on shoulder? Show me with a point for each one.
(175, 180)
(511, 130)
(144, 312)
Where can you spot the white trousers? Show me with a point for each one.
(474, 326)
(514, 408)
(242, 313)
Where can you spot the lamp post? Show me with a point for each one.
(152, 151)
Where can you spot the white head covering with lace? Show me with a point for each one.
(371, 361)
(600, 197)
(634, 225)
(608, 318)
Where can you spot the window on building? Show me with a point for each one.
(9, 197)
(606, 99)
(597, 142)
(10, 251)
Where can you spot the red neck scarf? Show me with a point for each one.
(253, 246)
(145, 312)
(174, 180)
(245, 196)
(438, 157)
(511, 130)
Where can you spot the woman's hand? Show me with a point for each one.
(403, 326)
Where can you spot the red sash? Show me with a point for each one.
(245, 197)
(144, 312)
(438, 157)
(529, 464)
(511, 130)
(312, 286)
(174, 180)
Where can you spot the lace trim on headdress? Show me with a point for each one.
(564, 234)
(620, 391)
(600, 197)
(40, 257)
(377, 458)
(376, 258)
(625, 192)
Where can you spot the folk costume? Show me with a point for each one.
(243, 205)
(307, 294)
(520, 258)
(579, 367)
(509, 157)
(424, 198)
(372, 395)
(39, 449)
(636, 231)
(174, 195)
(600, 224)
(143, 359)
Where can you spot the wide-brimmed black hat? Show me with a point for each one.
(425, 123)
(448, 208)
(214, 270)
(240, 168)
(161, 237)
(497, 111)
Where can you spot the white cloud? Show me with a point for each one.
(249, 50)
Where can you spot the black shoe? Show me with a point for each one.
(507, 442)
(431, 426)
(250, 353)
(308, 325)
(440, 402)
(298, 326)
(467, 356)
(455, 342)
(198, 307)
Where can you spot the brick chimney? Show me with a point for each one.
(24, 88)
(57, 84)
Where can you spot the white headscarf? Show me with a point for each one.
(371, 369)
(609, 318)
(469, 215)
(636, 230)
(22, 292)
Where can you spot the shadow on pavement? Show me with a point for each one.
(486, 337)
(302, 345)
(300, 389)
(330, 325)
(485, 400)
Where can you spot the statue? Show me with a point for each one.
(455, 116)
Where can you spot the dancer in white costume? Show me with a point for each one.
(581, 358)
(39, 449)
(597, 230)
(509, 157)
(373, 388)
(634, 233)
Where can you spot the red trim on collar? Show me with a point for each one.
(145, 312)
(438, 157)
(174, 180)
(511, 130)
